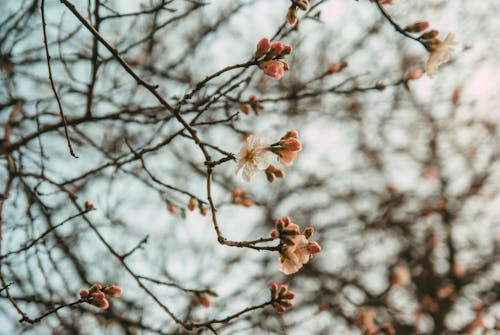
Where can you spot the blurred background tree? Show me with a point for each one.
(104, 168)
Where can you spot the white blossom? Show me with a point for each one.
(253, 156)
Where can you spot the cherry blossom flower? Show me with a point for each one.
(296, 248)
(253, 156)
(294, 256)
(440, 53)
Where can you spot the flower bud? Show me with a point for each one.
(88, 206)
(291, 144)
(291, 15)
(291, 133)
(114, 291)
(245, 109)
(270, 177)
(308, 232)
(274, 233)
(415, 74)
(277, 48)
(238, 193)
(172, 209)
(99, 300)
(192, 204)
(417, 27)
(95, 288)
(247, 203)
(303, 4)
(280, 174)
(84, 294)
(203, 210)
(263, 47)
(203, 300)
(313, 248)
(429, 35)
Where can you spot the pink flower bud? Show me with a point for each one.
(247, 203)
(263, 47)
(313, 248)
(291, 144)
(280, 224)
(289, 295)
(429, 35)
(334, 68)
(95, 288)
(287, 49)
(291, 15)
(273, 68)
(308, 232)
(274, 233)
(203, 210)
(417, 27)
(415, 74)
(172, 209)
(245, 109)
(291, 133)
(88, 206)
(192, 204)
(277, 48)
(114, 291)
(203, 300)
(239, 192)
(287, 220)
(280, 174)
(274, 288)
(99, 300)
(278, 307)
(84, 294)
(270, 177)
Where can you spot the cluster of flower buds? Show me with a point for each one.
(97, 295)
(288, 147)
(336, 68)
(272, 172)
(270, 56)
(253, 103)
(291, 15)
(296, 248)
(240, 198)
(281, 296)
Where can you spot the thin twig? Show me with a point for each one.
(59, 105)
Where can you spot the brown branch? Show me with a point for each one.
(47, 56)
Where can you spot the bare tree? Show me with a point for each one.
(123, 124)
